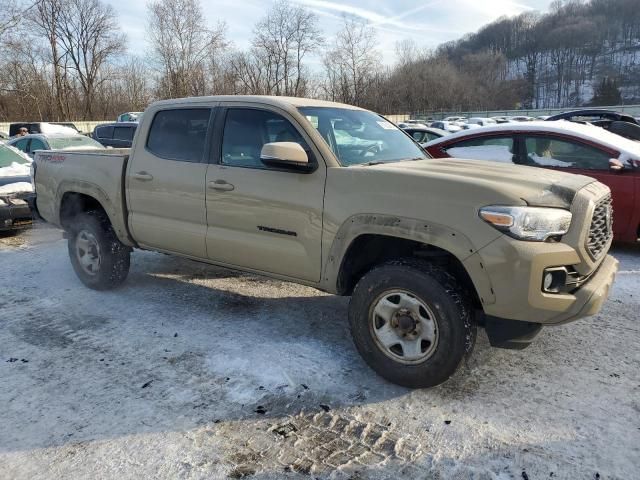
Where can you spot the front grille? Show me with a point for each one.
(600, 231)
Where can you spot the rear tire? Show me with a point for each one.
(99, 259)
(412, 323)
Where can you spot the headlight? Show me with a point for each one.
(535, 224)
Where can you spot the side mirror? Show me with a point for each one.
(287, 155)
(615, 165)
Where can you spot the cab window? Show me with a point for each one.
(179, 134)
(22, 144)
(123, 133)
(247, 130)
(36, 144)
(104, 132)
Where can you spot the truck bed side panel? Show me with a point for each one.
(96, 174)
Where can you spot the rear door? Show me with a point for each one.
(573, 155)
(260, 217)
(166, 181)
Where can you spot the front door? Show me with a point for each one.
(166, 182)
(259, 217)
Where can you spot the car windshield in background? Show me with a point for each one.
(72, 141)
(9, 155)
(359, 137)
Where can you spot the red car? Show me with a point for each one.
(561, 145)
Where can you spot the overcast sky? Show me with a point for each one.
(428, 22)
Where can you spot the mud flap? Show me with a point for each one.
(511, 334)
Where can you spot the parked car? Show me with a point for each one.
(566, 146)
(30, 143)
(404, 125)
(520, 118)
(116, 135)
(425, 248)
(423, 135)
(618, 123)
(42, 127)
(455, 119)
(481, 121)
(468, 126)
(500, 119)
(15, 190)
(129, 117)
(446, 126)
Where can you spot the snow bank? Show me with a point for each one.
(17, 187)
(15, 170)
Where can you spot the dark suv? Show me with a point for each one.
(116, 135)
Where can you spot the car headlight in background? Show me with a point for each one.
(535, 224)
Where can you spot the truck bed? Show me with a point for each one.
(96, 173)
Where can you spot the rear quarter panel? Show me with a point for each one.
(96, 174)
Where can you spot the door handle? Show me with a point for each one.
(143, 176)
(221, 185)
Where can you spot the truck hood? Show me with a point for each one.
(536, 186)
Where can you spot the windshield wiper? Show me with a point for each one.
(373, 162)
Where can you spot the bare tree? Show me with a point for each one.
(352, 62)
(89, 34)
(10, 15)
(181, 43)
(44, 20)
(282, 40)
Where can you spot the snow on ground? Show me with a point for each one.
(193, 371)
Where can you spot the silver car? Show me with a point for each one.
(53, 141)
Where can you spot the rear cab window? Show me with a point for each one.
(179, 134)
(123, 133)
(104, 132)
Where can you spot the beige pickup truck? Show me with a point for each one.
(338, 198)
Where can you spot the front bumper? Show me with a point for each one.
(15, 213)
(516, 270)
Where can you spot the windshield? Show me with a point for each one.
(359, 137)
(72, 141)
(9, 155)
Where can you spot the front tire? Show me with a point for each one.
(411, 322)
(99, 259)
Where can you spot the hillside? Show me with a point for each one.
(565, 57)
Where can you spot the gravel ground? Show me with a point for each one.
(192, 371)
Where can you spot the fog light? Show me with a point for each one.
(554, 279)
(548, 280)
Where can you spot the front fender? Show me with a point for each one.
(441, 236)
